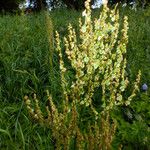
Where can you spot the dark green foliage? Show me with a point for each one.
(76, 4)
(38, 4)
(9, 5)
(139, 3)
(73, 4)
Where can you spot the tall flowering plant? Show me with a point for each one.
(98, 58)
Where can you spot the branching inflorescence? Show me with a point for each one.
(98, 58)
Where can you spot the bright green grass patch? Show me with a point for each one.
(24, 55)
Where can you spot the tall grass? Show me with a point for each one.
(24, 55)
(24, 67)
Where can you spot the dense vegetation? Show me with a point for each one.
(38, 5)
(25, 68)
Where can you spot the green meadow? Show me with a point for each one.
(29, 64)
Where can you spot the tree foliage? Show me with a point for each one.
(73, 4)
(76, 4)
(9, 5)
(141, 3)
(38, 4)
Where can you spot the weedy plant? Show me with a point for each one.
(98, 59)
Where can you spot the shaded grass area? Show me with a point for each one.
(25, 69)
(24, 55)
